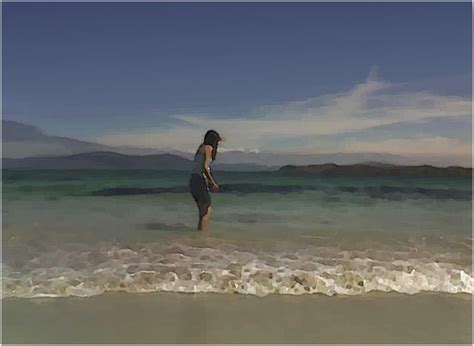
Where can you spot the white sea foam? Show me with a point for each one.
(189, 269)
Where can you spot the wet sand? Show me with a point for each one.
(214, 318)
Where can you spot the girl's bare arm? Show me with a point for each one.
(208, 151)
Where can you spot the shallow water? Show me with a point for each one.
(269, 234)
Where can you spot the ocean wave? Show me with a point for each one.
(382, 192)
(191, 269)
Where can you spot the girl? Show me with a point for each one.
(202, 180)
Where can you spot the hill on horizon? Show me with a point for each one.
(167, 162)
(115, 161)
(374, 169)
(26, 141)
(22, 140)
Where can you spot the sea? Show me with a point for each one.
(84, 233)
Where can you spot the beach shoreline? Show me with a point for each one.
(234, 318)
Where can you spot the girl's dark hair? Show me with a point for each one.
(212, 138)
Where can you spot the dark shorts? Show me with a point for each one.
(200, 192)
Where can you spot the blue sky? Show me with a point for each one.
(307, 77)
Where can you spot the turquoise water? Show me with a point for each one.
(61, 237)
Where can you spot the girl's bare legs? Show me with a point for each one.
(204, 218)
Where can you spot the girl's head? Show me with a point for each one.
(212, 138)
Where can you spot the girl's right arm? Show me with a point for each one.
(208, 152)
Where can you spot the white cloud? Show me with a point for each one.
(366, 105)
(435, 146)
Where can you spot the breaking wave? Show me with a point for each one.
(191, 269)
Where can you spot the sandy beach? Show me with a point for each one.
(217, 318)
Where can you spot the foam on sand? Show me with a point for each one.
(226, 269)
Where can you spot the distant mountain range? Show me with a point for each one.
(278, 159)
(22, 140)
(368, 170)
(101, 160)
(115, 161)
(26, 141)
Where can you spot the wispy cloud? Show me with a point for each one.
(365, 106)
(412, 146)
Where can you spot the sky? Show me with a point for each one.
(279, 77)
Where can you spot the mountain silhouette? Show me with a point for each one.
(101, 160)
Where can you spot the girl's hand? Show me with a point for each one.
(214, 187)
